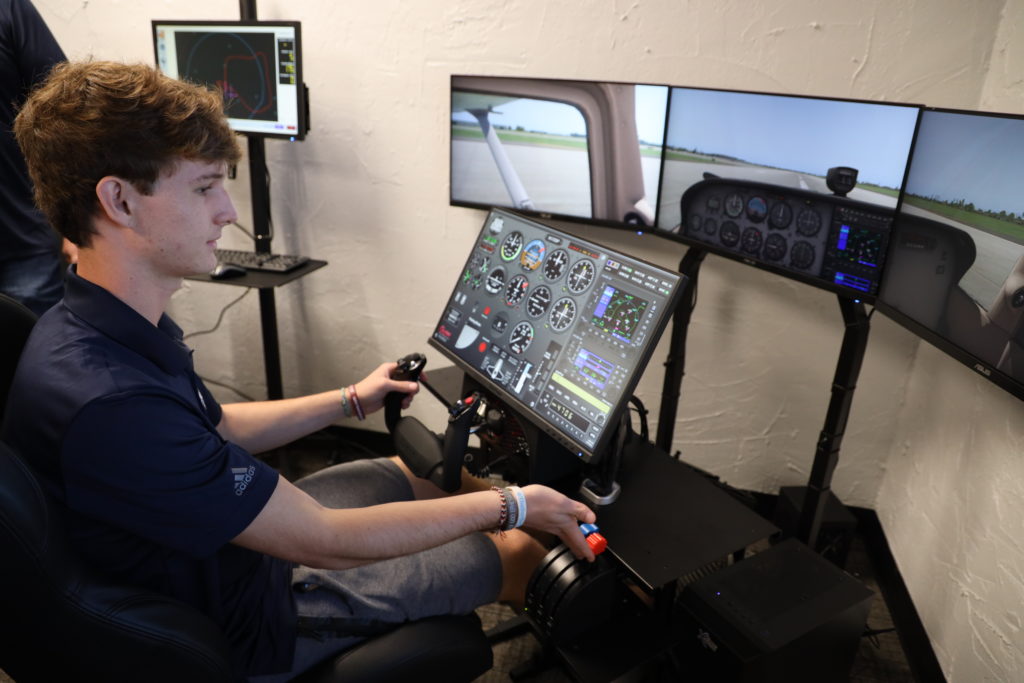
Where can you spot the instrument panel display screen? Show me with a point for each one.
(557, 326)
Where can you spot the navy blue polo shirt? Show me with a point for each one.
(111, 414)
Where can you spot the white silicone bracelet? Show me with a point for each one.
(521, 503)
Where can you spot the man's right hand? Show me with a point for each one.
(549, 511)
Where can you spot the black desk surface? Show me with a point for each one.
(670, 521)
(263, 279)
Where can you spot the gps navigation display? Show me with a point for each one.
(559, 327)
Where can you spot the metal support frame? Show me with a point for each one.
(259, 190)
(826, 456)
(675, 364)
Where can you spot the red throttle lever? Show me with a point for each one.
(596, 541)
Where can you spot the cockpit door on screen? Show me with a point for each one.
(568, 148)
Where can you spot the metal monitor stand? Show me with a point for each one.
(675, 364)
(826, 457)
(259, 189)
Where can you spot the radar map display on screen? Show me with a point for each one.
(256, 65)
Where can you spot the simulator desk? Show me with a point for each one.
(265, 283)
(667, 523)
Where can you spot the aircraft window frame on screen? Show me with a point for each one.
(555, 326)
(275, 97)
(803, 186)
(956, 258)
(524, 125)
(528, 164)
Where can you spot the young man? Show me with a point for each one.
(157, 476)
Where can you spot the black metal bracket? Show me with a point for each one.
(826, 456)
(675, 364)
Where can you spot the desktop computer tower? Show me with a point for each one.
(783, 615)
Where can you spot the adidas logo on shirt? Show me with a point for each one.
(243, 477)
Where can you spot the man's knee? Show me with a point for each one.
(520, 554)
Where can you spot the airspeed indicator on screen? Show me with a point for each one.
(511, 246)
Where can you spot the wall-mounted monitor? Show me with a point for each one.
(802, 186)
(257, 65)
(955, 272)
(558, 327)
(574, 150)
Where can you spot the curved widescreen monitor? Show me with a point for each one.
(558, 327)
(575, 150)
(955, 270)
(802, 186)
(257, 65)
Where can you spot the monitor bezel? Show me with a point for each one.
(587, 454)
(302, 102)
(816, 282)
(980, 366)
(547, 215)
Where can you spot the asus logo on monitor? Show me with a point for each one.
(982, 369)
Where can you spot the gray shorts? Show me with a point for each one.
(454, 578)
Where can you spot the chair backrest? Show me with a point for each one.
(16, 323)
(60, 622)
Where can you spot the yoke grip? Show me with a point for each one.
(409, 369)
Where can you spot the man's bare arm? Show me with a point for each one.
(294, 527)
(263, 425)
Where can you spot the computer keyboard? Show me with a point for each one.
(250, 260)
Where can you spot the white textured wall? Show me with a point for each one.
(930, 446)
(952, 499)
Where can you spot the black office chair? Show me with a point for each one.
(59, 621)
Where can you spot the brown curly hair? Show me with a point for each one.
(89, 120)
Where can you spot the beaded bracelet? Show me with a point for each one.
(513, 509)
(503, 512)
(346, 407)
(355, 402)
